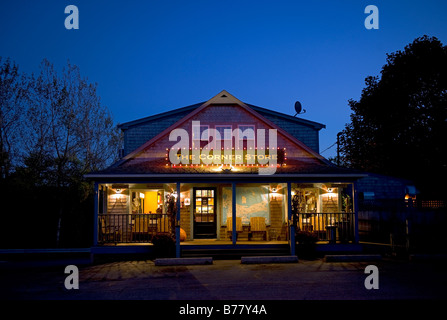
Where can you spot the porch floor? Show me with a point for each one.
(207, 242)
(210, 242)
(204, 242)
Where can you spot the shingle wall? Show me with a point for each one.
(306, 134)
(138, 134)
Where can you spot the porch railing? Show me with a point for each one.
(332, 227)
(140, 228)
(132, 228)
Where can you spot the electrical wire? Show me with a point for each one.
(329, 147)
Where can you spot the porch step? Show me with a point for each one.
(234, 252)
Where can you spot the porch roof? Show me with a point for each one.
(158, 169)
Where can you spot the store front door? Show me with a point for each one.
(204, 213)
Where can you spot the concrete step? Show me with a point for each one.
(234, 253)
(183, 261)
(352, 257)
(269, 259)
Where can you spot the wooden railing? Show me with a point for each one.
(140, 228)
(332, 227)
(132, 228)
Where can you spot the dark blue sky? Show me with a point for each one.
(154, 56)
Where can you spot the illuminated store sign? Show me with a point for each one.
(249, 149)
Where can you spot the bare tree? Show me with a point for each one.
(12, 92)
(68, 125)
(68, 132)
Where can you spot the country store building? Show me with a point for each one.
(222, 175)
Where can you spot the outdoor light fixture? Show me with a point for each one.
(141, 195)
(118, 190)
(226, 169)
(330, 190)
(274, 191)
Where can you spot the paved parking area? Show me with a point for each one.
(223, 280)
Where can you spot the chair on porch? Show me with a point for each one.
(230, 226)
(258, 228)
(108, 232)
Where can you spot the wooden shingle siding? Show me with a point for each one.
(138, 132)
(307, 135)
(185, 221)
(217, 114)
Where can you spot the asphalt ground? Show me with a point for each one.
(226, 281)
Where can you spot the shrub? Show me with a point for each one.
(306, 243)
(306, 237)
(164, 245)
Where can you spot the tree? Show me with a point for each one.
(398, 127)
(67, 127)
(12, 94)
(69, 132)
(57, 122)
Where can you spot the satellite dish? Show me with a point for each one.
(298, 108)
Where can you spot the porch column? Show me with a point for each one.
(177, 224)
(95, 214)
(356, 212)
(233, 212)
(289, 218)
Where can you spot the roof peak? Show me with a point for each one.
(224, 97)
